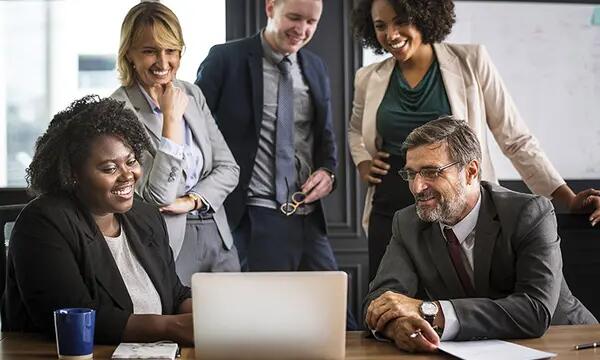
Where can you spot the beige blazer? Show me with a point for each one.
(477, 95)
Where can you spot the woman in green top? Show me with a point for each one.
(423, 80)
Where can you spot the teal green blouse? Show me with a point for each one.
(404, 108)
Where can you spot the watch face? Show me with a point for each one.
(429, 308)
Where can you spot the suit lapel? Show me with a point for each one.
(375, 91)
(139, 238)
(487, 231)
(432, 235)
(255, 68)
(453, 81)
(145, 113)
(105, 268)
(312, 78)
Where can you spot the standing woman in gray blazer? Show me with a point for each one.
(423, 79)
(189, 170)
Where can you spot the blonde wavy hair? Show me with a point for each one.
(164, 26)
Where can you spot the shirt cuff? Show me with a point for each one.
(169, 147)
(451, 324)
(331, 172)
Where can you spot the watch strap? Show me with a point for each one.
(429, 318)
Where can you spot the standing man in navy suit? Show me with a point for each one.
(271, 100)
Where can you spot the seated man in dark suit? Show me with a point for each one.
(471, 259)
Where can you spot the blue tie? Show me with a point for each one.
(285, 168)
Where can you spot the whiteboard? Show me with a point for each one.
(549, 58)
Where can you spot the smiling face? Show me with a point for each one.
(394, 32)
(291, 23)
(449, 197)
(154, 64)
(106, 180)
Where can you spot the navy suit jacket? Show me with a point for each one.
(58, 258)
(231, 78)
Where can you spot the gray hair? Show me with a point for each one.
(463, 145)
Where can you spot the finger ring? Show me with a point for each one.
(415, 334)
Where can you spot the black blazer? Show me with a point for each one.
(231, 79)
(58, 258)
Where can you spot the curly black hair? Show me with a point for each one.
(433, 18)
(65, 145)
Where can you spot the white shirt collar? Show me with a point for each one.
(155, 108)
(464, 227)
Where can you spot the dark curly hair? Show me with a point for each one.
(65, 145)
(433, 19)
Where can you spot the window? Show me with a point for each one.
(57, 51)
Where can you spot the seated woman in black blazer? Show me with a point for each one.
(86, 242)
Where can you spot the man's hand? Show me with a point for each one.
(390, 306)
(412, 333)
(181, 205)
(319, 184)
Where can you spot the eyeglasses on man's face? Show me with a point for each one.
(429, 173)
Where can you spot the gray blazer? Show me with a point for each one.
(517, 268)
(164, 178)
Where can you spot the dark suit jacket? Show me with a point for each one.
(517, 268)
(58, 258)
(231, 78)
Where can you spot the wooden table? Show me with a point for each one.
(558, 339)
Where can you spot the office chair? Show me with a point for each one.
(8, 215)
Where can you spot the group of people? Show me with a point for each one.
(165, 178)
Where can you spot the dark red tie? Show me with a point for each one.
(455, 251)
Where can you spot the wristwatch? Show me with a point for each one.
(331, 176)
(428, 311)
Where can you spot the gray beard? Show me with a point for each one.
(446, 211)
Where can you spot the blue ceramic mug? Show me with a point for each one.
(74, 329)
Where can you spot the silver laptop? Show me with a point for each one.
(270, 315)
